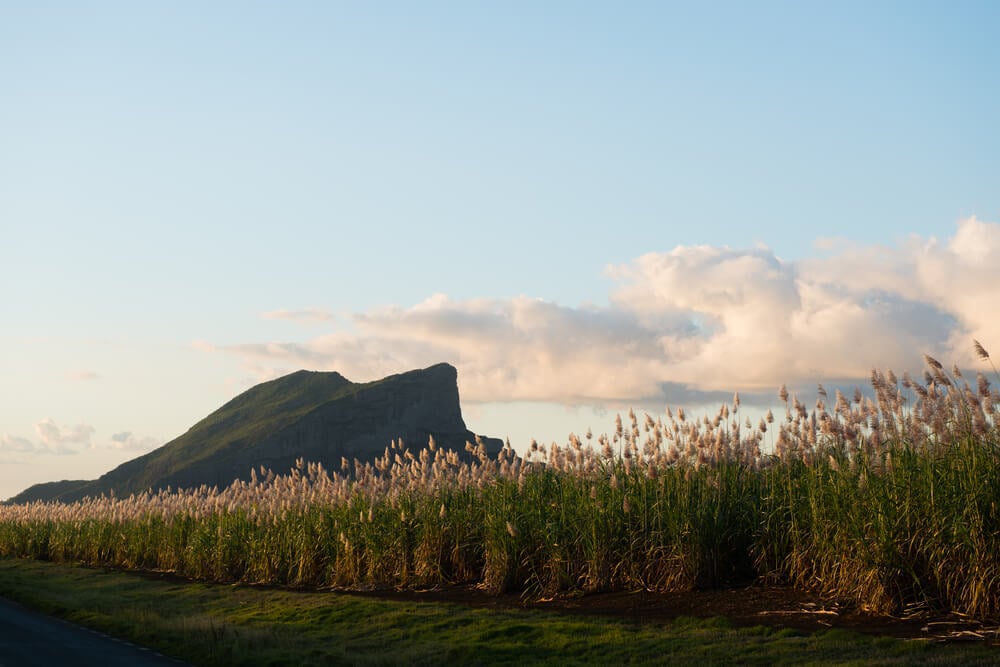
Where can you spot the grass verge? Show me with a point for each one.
(214, 624)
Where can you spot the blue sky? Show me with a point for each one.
(583, 206)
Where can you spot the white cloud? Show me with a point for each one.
(513, 349)
(691, 321)
(55, 439)
(10, 444)
(203, 346)
(52, 438)
(128, 441)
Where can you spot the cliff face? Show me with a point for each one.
(316, 416)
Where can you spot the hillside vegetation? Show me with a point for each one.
(320, 416)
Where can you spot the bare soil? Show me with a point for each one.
(758, 604)
(773, 605)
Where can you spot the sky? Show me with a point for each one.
(583, 206)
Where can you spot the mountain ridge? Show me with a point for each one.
(316, 415)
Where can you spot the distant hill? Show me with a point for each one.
(317, 416)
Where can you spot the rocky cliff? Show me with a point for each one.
(316, 416)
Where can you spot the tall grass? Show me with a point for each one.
(888, 500)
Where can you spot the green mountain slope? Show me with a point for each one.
(314, 415)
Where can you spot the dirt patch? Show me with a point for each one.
(771, 605)
(759, 604)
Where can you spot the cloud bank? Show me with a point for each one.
(63, 439)
(52, 438)
(130, 442)
(688, 323)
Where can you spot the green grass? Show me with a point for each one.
(214, 624)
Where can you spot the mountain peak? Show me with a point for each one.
(316, 415)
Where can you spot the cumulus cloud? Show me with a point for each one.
(10, 444)
(51, 438)
(689, 323)
(511, 349)
(57, 439)
(203, 346)
(128, 441)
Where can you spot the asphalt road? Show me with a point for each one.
(28, 638)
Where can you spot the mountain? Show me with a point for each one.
(318, 416)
